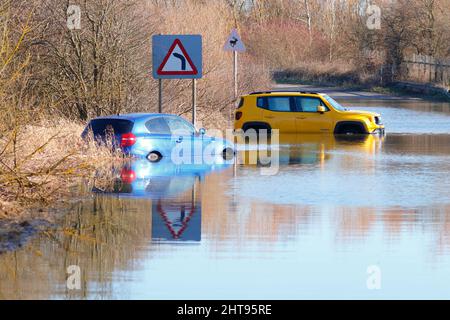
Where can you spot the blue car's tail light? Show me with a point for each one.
(127, 140)
(127, 175)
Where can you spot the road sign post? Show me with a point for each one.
(235, 74)
(160, 95)
(177, 57)
(235, 44)
(194, 101)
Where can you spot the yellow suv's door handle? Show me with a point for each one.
(300, 117)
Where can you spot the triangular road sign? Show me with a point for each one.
(234, 42)
(177, 61)
(176, 221)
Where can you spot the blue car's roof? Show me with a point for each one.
(136, 116)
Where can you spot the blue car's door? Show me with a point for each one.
(159, 139)
(189, 146)
(177, 139)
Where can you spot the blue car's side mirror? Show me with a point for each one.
(202, 131)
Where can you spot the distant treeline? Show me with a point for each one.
(347, 40)
(104, 66)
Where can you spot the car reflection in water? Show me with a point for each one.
(294, 149)
(175, 192)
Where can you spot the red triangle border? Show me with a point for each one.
(174, 73)
(163, 214)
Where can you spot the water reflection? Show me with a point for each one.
(336, 206)
(372, 172)
(174, 191)
(140, 178)
(416, 117)
(304, 149)
(177, 219)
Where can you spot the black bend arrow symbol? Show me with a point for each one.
(233, 41)
(182, 58)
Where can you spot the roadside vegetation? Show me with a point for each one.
(53, 79)
(343, 43)
(40, 154)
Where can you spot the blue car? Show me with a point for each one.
(155, 136)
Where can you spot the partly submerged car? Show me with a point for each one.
(302, 112)
(155, 136)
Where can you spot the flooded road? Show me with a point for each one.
(338, 213)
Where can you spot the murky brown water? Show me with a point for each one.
(335, 208)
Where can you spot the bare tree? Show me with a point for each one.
(398, 34)
(99, 69)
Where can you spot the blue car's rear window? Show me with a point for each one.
(103, 126)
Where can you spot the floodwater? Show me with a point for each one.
(362, 218)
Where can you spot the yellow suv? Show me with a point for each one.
(302, 112)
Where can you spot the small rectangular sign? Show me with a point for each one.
(177, 56)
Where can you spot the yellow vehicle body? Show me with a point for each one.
(302, 112)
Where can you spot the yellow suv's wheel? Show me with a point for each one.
(350, 128)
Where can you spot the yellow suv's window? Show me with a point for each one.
(308, 104)
(280, 104)
(334, 103)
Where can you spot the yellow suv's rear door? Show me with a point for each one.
(307, 119)
(278, 112)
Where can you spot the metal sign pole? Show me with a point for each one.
(234, 43)
(194, 100)
(235, 76)
(160, 95)
(235, 72)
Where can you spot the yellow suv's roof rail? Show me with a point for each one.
(282, 91)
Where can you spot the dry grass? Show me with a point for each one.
(40, 163)
(41, 155)
(325, 73)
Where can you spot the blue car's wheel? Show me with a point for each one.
(154, 156)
